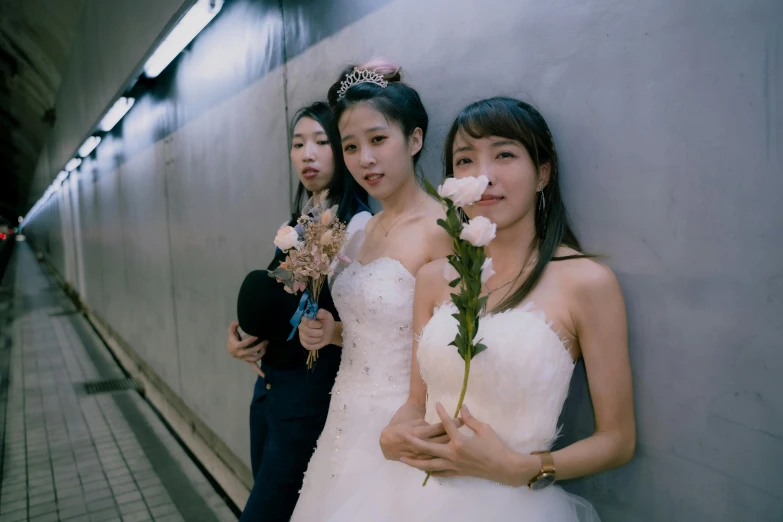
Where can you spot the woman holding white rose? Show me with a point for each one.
(548, 304)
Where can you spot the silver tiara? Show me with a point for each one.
(360, 76)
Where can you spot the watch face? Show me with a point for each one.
(547, 479)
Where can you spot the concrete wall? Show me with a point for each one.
(667, 115)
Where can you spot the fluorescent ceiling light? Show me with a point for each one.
(183, 33)
(73, 164)
(59, 179)
(115, 114)
(89, 146)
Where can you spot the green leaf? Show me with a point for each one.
(478, 348)
(454, 283)
(284, 276)
(431, 190)
(455, 223)
(445, 226)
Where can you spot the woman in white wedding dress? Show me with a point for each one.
(382, 124)
(548, 305)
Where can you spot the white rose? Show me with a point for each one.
(479, 232)
(487, 270)
(286, 238)
(450, 273)
(465, 191)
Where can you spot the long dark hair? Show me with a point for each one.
(344, 191)
(519, 121)
(397, 101)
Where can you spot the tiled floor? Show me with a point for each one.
(69, 455)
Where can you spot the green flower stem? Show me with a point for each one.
(468, 358)
(469, 273)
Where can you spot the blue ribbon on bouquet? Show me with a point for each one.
(306, 308)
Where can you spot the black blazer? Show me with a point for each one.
(293, 390)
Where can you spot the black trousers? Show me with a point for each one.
(279, 451)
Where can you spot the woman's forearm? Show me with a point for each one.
(599, 452)
(409, 411)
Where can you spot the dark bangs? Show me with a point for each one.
(501, 117)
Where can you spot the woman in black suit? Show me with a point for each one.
(290, 402)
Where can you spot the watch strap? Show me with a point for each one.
(547, 467)
(547, 462)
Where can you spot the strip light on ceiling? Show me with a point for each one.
(183, 33)
(116, 113)
(89, 146)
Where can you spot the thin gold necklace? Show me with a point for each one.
(399, 218)
(512, 280)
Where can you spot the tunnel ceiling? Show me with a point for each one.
(35, 37)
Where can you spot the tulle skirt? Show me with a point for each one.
(394, 493)
(348, 454)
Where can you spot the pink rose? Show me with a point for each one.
(286, 238)
(479, 232)
(487, 270)
(464, 191)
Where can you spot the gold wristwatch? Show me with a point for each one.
(545, 477)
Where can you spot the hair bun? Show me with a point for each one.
(391, 72)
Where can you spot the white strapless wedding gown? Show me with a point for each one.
(518, 386)
(375, 302)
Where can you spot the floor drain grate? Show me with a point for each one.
(110, 385)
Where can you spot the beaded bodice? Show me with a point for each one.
(375, 302)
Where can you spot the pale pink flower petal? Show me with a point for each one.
(479, 232)
(487, 270)
(464, 191)
(286, 238)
